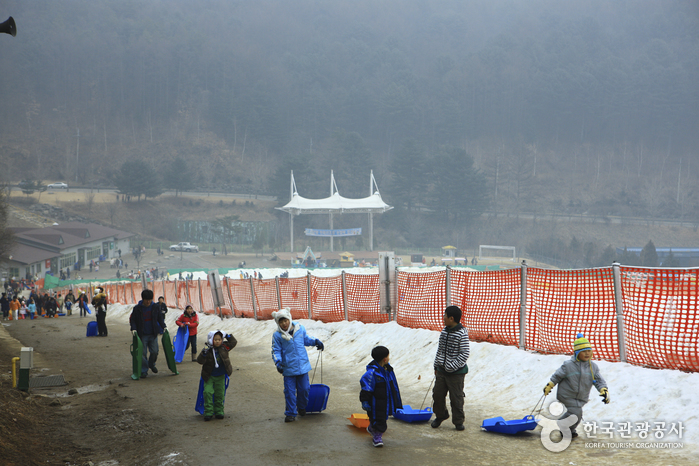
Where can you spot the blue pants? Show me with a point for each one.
(150, 343)
(296, 389)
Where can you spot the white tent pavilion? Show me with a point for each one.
(336, 204)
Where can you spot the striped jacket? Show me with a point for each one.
(453, 349)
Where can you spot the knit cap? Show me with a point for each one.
(379, 353)
(581, 344)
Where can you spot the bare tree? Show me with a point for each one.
(112, 209)
(89, 202)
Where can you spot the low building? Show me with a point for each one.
(61, 246)
(686, 257)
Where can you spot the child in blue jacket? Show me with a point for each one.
(380, 395)
(290, 357)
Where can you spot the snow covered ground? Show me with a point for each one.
(506, 379)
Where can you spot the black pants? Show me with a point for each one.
(192, 341)
(454, 385)
(101, 324)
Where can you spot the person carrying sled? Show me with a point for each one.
(450, 369)
(380, 395)
(291, 359)
(147, 322)
(216, 364)
(575, 379)
(191, 320)
(99, 301)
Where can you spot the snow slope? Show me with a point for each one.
(502, 377)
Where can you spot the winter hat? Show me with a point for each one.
(379, 353)
(284, 314)
(581, 344)
(281, 314)
(210, 341)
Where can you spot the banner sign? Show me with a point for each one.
(328, 233)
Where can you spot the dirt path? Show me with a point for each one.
(115, 420)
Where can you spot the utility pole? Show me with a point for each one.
(77, 156)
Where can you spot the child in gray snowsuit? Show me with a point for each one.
(575, 379)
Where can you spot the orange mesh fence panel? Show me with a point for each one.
(266, 297)
(294, 295)
(110, 291)
(182, 293)
(489, 303)
(363, 302)
(327, 303)
(422, 299)
(661, 321)
(137, 288)
(171, 294)
(561, 303)
(227, 308)
(193, 291)
(207, 298)
(242, 297)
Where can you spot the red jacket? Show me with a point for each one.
(192, 320)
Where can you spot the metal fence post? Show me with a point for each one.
(523, 307)
(201, 302)
(186, 288)
(279, 294)
(252, 296)
(177, 295)
(619, 302)
(308, 294)
(448, 288)
(395, 307)
(228, 287)
(344, 295)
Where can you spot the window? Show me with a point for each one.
(93, 253)
(14, 272)
(67, 260)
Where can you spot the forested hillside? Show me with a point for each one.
(457, 106)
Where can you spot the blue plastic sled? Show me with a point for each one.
(409, 414)
(200, 396)
(180, 343)
(498, 424)
(92, 329)
(317, 398)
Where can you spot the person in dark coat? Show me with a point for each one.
(99, 301)
(380, 395)
(147, 322)
(5, 303)
(216, 365)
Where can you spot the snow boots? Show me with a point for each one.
(376, 437)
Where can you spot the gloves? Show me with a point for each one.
(549, 386)
(604, 393)
(134, 332)
(206, 349)
(280, 369)
(319, 345)
(366, 406)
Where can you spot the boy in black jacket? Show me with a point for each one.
(380, 395)
(216, 365)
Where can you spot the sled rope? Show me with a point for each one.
(428, 391)
(320, 357)
(541, 400)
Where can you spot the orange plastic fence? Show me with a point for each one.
(241, 293)
(561, 303)
(659, 306)
(327, 304)
(294, 295)
(422, 299)
(363, 302)
(170, 295)
(660, 317)
(489, 303)
(266, 297)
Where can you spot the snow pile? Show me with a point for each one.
(502, 379)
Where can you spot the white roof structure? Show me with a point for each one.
(336, 204)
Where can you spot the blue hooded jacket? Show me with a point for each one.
(380, 389)
(291, 354)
